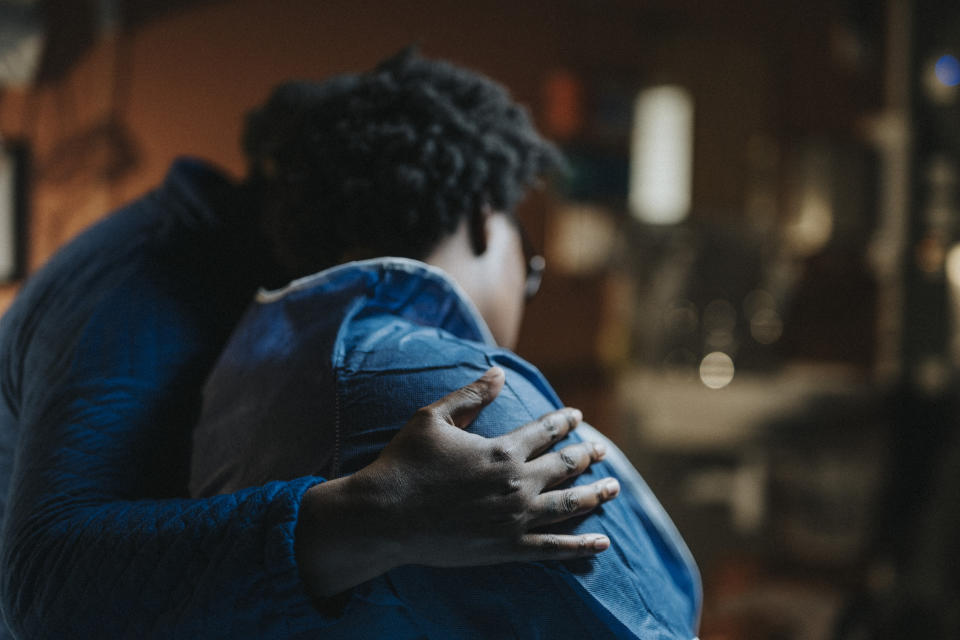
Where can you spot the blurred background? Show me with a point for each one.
(753, 268)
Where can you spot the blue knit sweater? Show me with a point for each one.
(101, 358)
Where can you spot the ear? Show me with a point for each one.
(479, 229)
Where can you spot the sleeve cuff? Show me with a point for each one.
(281, 562)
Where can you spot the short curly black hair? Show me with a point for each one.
(387, 162)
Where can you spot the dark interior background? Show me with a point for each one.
(814, 279)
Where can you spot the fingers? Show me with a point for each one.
(553, 468)
(548, 546)
(462, 406)
(535, 437)
(557, 506)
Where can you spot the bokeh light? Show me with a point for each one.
(766, 327)
(716, 370)
(661, 155)
(953, 265)
(948, 70)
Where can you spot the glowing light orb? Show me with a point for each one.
(716, 370)
(948, 70)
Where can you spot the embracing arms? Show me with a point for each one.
(89, 551)
(441, 496)
(97, 541)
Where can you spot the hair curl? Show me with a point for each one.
(387, 162)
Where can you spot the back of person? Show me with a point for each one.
(425, 162)
(377, 339)
(102, 356)
(38, 335)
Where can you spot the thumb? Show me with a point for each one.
(461, 407)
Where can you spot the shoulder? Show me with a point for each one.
(123, 278)
(411, 365)
(38, 331)
(385, 341)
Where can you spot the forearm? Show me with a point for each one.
(173, 568)
(84, 557)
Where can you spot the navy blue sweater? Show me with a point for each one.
(102, 356)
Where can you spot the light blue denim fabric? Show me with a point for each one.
(320, 375)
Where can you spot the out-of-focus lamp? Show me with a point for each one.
(21, 41)
(581, 238)
(941, 79)
(947, 70)
(952, 268)
(661, 155)
(9, 256)
(810, 225)
(563, 104)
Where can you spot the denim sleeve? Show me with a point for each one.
(647, 581)
(97, 542)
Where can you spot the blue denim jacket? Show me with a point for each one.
(320, 375)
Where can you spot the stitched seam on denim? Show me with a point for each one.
(336, 422)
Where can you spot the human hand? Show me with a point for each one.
(441, 496)
(454, 498)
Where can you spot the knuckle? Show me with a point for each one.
(517, 523)
(500, 452)
(516, 504)
(511, 525)
(512, 486)
(552, 426)
(600, 491)
(550, 543)
(472, 393)
(569, 462)
(425, 414)
(568, 502)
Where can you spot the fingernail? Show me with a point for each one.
(599, 449)
(601, 543)
(612, 487)
(577, 416)
(492, 374)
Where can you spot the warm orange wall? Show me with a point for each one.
(191, 75)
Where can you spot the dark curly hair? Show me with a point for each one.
(386, 162)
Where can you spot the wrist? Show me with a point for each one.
(341, 537)
(379, 516)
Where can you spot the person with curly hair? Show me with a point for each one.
(102, 358)
(390, 196)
